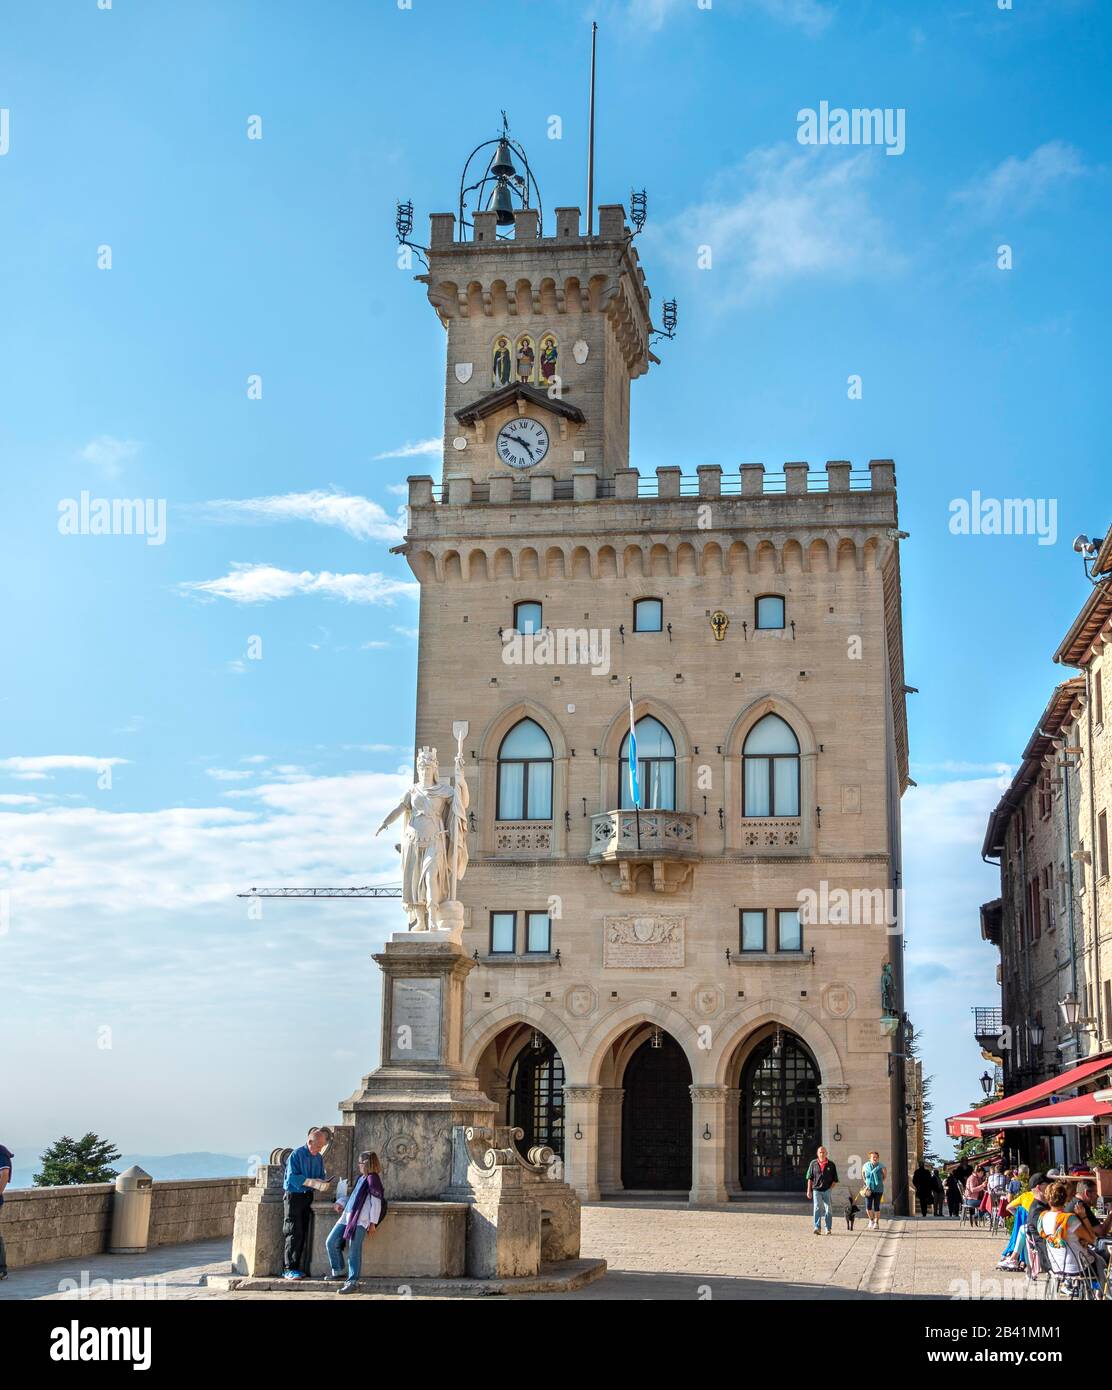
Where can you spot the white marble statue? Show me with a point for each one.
(434, 843)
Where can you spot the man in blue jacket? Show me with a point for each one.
(304, 1167)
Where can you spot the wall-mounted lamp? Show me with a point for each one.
(706, 1132)
(837, 1135)
(578, 1132)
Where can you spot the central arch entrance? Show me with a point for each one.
(521, 1070)
(781, 1114)
(656, 1117)
(536, 1095)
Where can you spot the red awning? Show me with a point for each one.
(1077, 1110)
(971, 1124)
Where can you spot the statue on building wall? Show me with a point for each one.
(434, 843)
(887, 991)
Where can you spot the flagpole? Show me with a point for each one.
(633, 750)
(591, 142)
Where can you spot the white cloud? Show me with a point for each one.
(812, 16)
(313, 831)
(109, 454)
(398, 489)
(247, 583)
(38, 768)
(783, 214)
(358, 516)
(226, 774)
(11, 799)
(411, 632)
(420, 448)
(1017, 185)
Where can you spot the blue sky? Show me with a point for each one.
(232, 257)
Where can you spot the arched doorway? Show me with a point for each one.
(656, 1117)
(781, 1114)
(521, 1070)
(536, 1095)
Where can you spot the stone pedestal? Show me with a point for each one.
(405, 1110)
(257, 1235)
(519, 1216)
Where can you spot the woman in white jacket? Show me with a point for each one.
(360, 1215)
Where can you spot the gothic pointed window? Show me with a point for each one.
(656, 767)
(525, 774)
(770, 758)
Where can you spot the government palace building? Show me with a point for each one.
(688, 996)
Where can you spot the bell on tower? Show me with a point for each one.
(498, 187)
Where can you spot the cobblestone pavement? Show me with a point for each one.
(654, 1251)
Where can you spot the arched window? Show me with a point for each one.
(770, 785)
(525, 774)
(656, 767)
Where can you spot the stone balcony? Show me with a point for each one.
(661, 845)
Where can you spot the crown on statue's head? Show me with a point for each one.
(426, 757)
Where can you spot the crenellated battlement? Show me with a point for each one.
(669, 483)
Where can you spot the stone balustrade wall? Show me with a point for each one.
(55, 1223)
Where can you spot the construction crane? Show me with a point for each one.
(382, 890)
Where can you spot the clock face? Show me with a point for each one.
(522, 443)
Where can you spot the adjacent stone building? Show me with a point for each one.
(692, 996)
(1053, 919)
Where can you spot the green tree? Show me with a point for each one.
(68, 1161)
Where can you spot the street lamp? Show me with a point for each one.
(1036, 1034)
(987, 1084)
(1071, 1010)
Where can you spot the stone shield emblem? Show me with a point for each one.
(840, 1001)
(580, 349)
(463, 372)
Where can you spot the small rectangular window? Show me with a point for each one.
(648, 615)
(770, 611)
(1102, 834)
(752, 930)
(1098, 692)
(503, 933)
(527, 618)
(538, 932)
(789, 931)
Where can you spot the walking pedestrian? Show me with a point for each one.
(923, 1184)
(874, 1174)
(6, 1157)
(821, 1177)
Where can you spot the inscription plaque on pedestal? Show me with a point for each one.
(415, 1020)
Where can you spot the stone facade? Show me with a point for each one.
(1053, 919)
(644, 919)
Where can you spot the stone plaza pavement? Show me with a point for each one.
(753, 1249)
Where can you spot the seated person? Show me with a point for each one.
(1069, 1244)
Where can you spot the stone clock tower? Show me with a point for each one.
(650, 996)
(544, 337)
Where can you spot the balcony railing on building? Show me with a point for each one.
(988, 1024)
(630, 846)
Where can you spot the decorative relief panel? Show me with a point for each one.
(770, 834)
(529, 835)
(649, 942)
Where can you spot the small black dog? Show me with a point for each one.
(851, 1210)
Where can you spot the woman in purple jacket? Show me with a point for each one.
(360, 1215)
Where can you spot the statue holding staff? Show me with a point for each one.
(434, 842)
